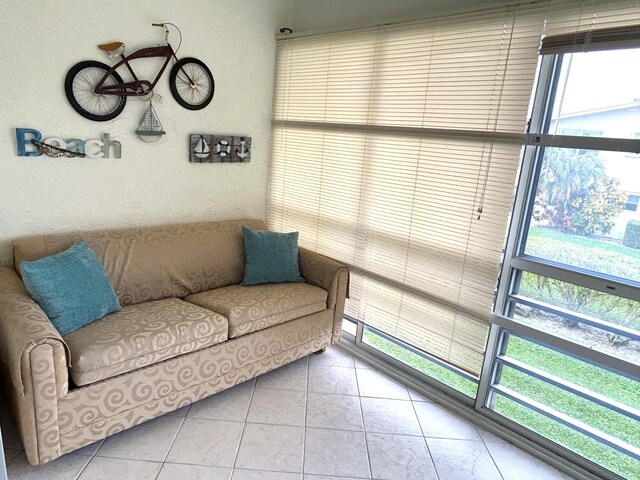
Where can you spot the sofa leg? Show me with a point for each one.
(322, 350)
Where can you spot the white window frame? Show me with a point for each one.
(516, 260)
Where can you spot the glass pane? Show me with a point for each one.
(582, 334)
(598, 94)
(603, 455)
(420, 363)
(578, 408)
(603, 306)
(596, 379)
(349, 327)
(599, 305)
(441, 332)
(578, 372)
(579, 216)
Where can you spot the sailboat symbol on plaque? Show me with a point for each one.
(150, 129)
(202, 149)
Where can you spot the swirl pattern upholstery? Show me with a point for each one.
(255, 307)
(103, 408)
(162, 351)
(140, 335)
(330, 275)
(153, 263)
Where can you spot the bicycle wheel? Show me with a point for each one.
(196, 95)
(80, 84)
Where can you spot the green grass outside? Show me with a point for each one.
(422, 365)
(584, 252)
(580, 240)
(593, 450)
(605, 420)
(601, 305)
(601, 256)
(597, 379)
(594, 254)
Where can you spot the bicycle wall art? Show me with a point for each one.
(207, 148)
(97, 91)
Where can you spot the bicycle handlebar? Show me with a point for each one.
(166, 31)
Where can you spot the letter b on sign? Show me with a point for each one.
(22, 142)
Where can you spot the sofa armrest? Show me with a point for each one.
(330, 275)
(24, 327)
(323, 272)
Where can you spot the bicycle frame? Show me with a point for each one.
(137, 86)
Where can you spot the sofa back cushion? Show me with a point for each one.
(151, 263)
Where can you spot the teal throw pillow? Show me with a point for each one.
(71, 287)
(270, 257)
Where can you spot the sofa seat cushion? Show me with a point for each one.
(255, 307)
(139, 335)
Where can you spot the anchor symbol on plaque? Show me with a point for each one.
(243, 151)
(150, 129)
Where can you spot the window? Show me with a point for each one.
(567, 349)
(349, 328)
(632, 202)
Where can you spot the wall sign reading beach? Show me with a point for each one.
(219, 149)
(29, 143)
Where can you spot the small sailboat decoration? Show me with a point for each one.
(150, 129)
(202, 149)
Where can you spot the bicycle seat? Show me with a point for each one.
(111, 47)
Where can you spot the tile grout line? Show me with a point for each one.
(166, 455)
(340, 429)
(20, 450)
(413, 404)
(364, 425)
(475, 427)
(244, 426)
(91, 457)
(262, 470)
(484, 444)
(306, 406)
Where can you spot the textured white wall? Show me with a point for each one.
(151, 183)
(335, 15)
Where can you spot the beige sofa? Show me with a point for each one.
(187, 330)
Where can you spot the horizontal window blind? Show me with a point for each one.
(589, 41)
(395, 150)
(591, 25)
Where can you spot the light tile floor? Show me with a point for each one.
(325, 417)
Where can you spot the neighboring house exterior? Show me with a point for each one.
(621, 121)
